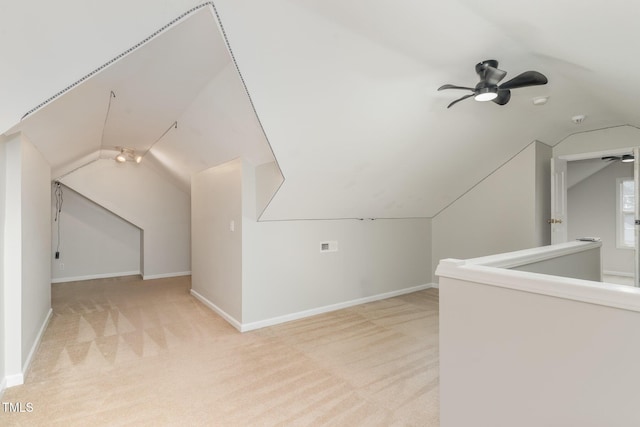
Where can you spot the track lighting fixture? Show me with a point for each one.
(128, 154)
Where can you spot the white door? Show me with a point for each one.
(636, 181)
(558, 218)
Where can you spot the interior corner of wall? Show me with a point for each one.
(268, 182)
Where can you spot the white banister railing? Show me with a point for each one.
(578, 262)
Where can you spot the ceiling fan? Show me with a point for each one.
(625, 158)
(489, 90)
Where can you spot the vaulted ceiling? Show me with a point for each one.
(342, 92)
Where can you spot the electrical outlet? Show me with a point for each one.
(62, 266)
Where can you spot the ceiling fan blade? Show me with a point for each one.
(493, 75)
(504, 95)
(460, 99)
(528, 78)
(443, 87)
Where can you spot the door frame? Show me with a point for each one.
(559, 196)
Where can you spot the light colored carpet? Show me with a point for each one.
(128, 352)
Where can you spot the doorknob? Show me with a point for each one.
(554, 221)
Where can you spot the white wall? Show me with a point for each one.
(3, 180)
(584, 265)
(13, 262)
(149, 201)
(36, 246)
(26, 251)
(511, 357)
(505, 212)
(268, 272)
(93, 241)
(285, 274)
(268, 179)
(216, 201)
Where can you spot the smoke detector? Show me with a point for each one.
(578, 119)
(540, 100)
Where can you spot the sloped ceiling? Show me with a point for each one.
(176, 99)
(345, 90)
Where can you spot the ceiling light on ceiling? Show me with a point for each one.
(627, 158)
(128, 154)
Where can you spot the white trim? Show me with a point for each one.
(18, 379)
(94, 276)
(14, 380)
(530, 256)
(617, 273)
(3, 386)
(36, 343)
(596, 154)
(435, 285)
(165, 275)
(245, 327)
(218, 310)
(327, 308)
(605, 294)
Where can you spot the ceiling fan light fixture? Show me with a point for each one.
(490, 89)
(627, 158)
(484, 94)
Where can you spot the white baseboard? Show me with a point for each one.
(165, 275)
(36, 343)
(245, 327)
(218, 310)
(327, 308)
(617, 273)
(14, 380)
(94, 276)
(18, 379)
(435, 285)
